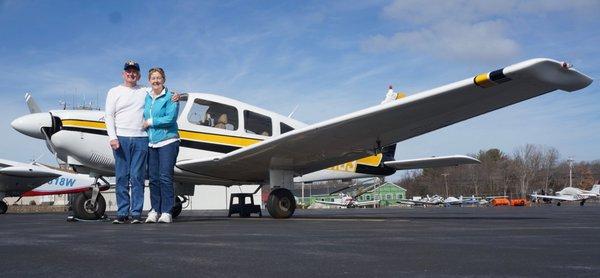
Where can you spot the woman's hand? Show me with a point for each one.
(146, 125)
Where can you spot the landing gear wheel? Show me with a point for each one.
(177, 207)
(83, 209)
(558, 204)
(3, 207)
(281, 203)
(582, 202)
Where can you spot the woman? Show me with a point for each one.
(160, 119)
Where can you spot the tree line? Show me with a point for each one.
(529, 168)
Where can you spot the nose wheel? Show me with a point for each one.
(84, 208)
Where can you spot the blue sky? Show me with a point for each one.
(327, 57)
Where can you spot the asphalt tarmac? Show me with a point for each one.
(395, 242)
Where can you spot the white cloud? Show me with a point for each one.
(466, 30)
(483, 41)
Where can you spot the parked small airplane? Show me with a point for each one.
(35, 179)
(227, 142)
(350, 200)
(571, 194)
(434, 200)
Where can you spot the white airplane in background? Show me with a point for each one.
(349, 200)
(434, 200)
(571, 194)
(227, 142)
(35, 179)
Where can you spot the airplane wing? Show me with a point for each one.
(560, 198)
(363, 133)
(21, 177)
(432, 162)
(330, 203)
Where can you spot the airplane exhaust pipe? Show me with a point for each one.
(32, 124)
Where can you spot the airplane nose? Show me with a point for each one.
(31, 125)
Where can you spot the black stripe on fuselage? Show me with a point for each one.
(205, 146)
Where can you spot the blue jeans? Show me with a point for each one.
(161, 162)
(130, 168)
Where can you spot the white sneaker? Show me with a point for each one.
(165, 218)
(152, 217)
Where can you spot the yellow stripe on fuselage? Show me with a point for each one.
(183, 134)
(216, 138)
(82, 123)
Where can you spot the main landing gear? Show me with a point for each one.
(281, 203)
(178, 206)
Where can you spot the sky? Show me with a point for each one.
(329, 58)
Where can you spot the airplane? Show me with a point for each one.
(434, 200)
(255, 146)
(36, 179)
(349, 200)
(571, 194)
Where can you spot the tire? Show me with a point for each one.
(558, 204)
(82, 209)
(177, 207)
(3, 207)
(281, 203)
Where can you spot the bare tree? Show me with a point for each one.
(527, 162)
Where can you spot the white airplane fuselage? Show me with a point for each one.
(79, 137)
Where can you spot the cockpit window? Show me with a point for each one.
(257, 124)
(213, 114)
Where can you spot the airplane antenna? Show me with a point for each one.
(293, 111)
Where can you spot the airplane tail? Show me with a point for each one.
(596, 188)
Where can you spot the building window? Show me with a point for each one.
(388, 196)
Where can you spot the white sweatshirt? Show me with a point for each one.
(125, 112)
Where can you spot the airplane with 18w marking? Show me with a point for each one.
(228, 142)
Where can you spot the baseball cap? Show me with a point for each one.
(131, 64)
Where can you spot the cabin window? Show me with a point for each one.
(257, 124)
(285, 128)
(213, 114)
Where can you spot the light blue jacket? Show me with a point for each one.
(163, 114)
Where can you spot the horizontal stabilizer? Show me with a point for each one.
(432, 162)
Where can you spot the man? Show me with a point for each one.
(129, 141)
